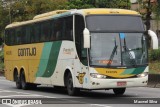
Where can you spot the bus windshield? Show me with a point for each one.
(118, 49)
(125, 47)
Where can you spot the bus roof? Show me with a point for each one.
(109, 11)
(59, 13)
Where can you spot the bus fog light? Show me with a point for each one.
(143, 74)
(99, 76)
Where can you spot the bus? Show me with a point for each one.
(92, 49)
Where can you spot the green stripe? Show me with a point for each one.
(133, 71)
(48, 59)
(139, 70)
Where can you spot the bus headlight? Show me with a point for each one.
(143, 74)
(99, 76)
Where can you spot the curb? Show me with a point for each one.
(154, 80)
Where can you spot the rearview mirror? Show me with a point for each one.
(154, 39)
(86, 37)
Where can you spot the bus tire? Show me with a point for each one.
(24, 84)
(119, 91)
(70, 89)
(17, 80)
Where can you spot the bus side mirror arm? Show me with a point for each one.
(86, 37)
(154, 39)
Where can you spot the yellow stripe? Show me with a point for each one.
(116, 73)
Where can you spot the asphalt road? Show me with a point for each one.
(50, 97)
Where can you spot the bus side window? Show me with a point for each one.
(37, 33)
(24, 35)
(28, 34)
(7, 37)
(69, 28)
(53, 35)
(19, 35)
(32, 37)
(58, 28)
(45, 31)
(11, 35)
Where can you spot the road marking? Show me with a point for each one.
(6, 81)
(19, 95)
(14, 91)
(5, 91)
(100, 105)
(2, 78)
(18, 105)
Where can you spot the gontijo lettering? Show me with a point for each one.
(27, 51)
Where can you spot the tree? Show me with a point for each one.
(27, 9)
(79, 4)
(148, 14)
(4, 19)
(156, 11)
(20, 10)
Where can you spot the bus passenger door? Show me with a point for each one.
(80, 61)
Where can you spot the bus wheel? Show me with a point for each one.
(17, 80)
(71, 90)
(23, 81)
(119, 91)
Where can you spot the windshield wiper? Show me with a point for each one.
(113, 53)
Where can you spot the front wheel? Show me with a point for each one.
(70, 89)
(119, 91)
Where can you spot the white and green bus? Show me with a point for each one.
(79, 49)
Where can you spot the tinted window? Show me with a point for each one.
(68, 28)
(58, 28)
(114, 23)
(63, 28)
(45, 31)
(28, 34)
(53, 32)
(55, 29)
(12, 37)
(37, 32)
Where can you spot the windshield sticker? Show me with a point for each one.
(122, 35)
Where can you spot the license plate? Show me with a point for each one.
(122, 83)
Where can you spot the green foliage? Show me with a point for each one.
(156, 11)
(3, 19)
(154, 55)
(1, 60)
(79, 4)
(27, 9)
(20, 10)
(154, 67)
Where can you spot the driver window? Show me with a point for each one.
(79, 27)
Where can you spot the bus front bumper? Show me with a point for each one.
(96, 83)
